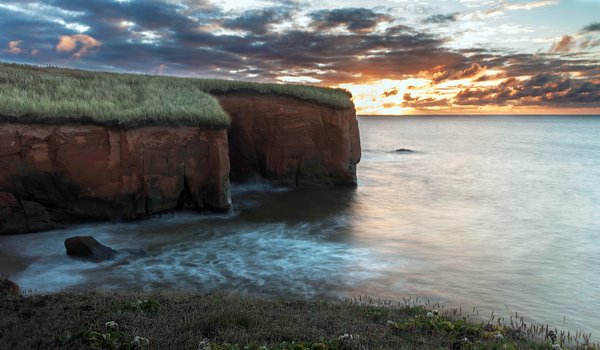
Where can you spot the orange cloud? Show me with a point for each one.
(69, 43)
(564, 45)
(474, 71)
(13, 47)
(160, 69)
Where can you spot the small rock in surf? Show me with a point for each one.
(87, 247)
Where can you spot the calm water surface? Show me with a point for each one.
(501, 213)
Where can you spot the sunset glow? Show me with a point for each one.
(396, 57)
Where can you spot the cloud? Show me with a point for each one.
(13, 47)
(69, 43)
(565, 44)
(391, 92)
(441, 18)
(473, 71)
(530, 5)
(258, 21)
(160, 69)
(358, 20)
(593, 27)
(543, 89)
(420, 103)
(510, 6)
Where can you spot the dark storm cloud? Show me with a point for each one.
(259, 21)
(441, 18)
(352, 19)
(593, 27)
(543, 89)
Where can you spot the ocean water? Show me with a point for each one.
(497, 213)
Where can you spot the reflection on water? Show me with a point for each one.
(497, 212)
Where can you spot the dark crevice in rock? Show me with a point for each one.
(24, 213)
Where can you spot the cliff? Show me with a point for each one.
(81, 145)
(54, 174)
(291, 141)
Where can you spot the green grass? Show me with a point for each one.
(55, 95)
(177, 320)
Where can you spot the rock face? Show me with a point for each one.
(87, 247)
(54, 174)
(18, 216)
(290, 141)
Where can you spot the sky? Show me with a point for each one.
(397, 57)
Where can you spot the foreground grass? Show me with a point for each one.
(53, 95)
(126, 320)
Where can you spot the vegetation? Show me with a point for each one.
(50, 95)
(55, 95)
(337, 98)
(174, 320)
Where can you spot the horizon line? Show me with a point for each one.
(482, 115)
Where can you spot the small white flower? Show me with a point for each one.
(140, 341)
(429, 314)
(390, 323)
(466, 340)
(349, 337)
(436, 312)
(204, 345)
(111, 325)
(498, 336)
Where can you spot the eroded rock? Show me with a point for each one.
(290, 141)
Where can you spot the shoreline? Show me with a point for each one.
(173, 319)
(12, 265)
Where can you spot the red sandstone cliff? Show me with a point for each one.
(52, 174)
(290, 141)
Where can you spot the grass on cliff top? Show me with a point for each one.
(51, 95)
(176, 320)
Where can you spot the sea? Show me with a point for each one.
(496, 213)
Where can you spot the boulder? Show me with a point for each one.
(88, 248)
(9, 288)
